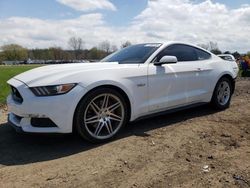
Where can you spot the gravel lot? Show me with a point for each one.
(198, 147)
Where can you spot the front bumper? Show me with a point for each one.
(59, 109)
(17, 128)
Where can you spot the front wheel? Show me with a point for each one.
(101, 114)
(222, 94)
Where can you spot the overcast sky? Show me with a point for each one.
(46, 23)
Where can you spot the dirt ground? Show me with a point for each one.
(198, 147)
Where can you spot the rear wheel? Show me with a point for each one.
(101, 115)
(222, 94)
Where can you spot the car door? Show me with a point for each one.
(177, 84)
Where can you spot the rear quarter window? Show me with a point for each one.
(202, 55)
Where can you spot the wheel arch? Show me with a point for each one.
(214, 99)
(230, 77)
(110, 86)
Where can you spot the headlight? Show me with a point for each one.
(52, 90)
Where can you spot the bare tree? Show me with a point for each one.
(126, 44)
(205, 46)
(76, 44)
(114, 48)
(105, 46)
(212, 47)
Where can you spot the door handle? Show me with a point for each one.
(199, 69)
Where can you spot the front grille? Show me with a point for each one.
(16, 95)
(42, 122)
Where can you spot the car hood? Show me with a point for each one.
(63, 73)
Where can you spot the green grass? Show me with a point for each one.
(7, 72)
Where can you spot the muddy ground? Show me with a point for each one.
(198, 147)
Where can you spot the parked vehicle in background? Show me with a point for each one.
(98, 99)
(227, 57)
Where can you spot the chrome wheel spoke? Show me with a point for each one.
(222, 96)
(224, 88)
(93, 119)
(105, 101)
(226, 93)
(219, 95)
(109, 126)
(98, 128)
(222, 99)
(114, 117)
(114, 106)
(95, 108)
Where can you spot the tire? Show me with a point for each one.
(100, 115)
(222, 94)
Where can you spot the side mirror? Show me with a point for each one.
(166, 60)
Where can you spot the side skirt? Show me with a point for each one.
(169, 111)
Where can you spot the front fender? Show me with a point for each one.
(125, 89)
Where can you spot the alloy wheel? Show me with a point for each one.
(103, 116)
(223, 93)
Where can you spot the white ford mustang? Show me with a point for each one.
(98, 99)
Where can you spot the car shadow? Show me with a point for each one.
(19, 149)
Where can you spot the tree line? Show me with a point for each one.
(76, 51)
(213, 47)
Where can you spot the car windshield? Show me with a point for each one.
(138, 53)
